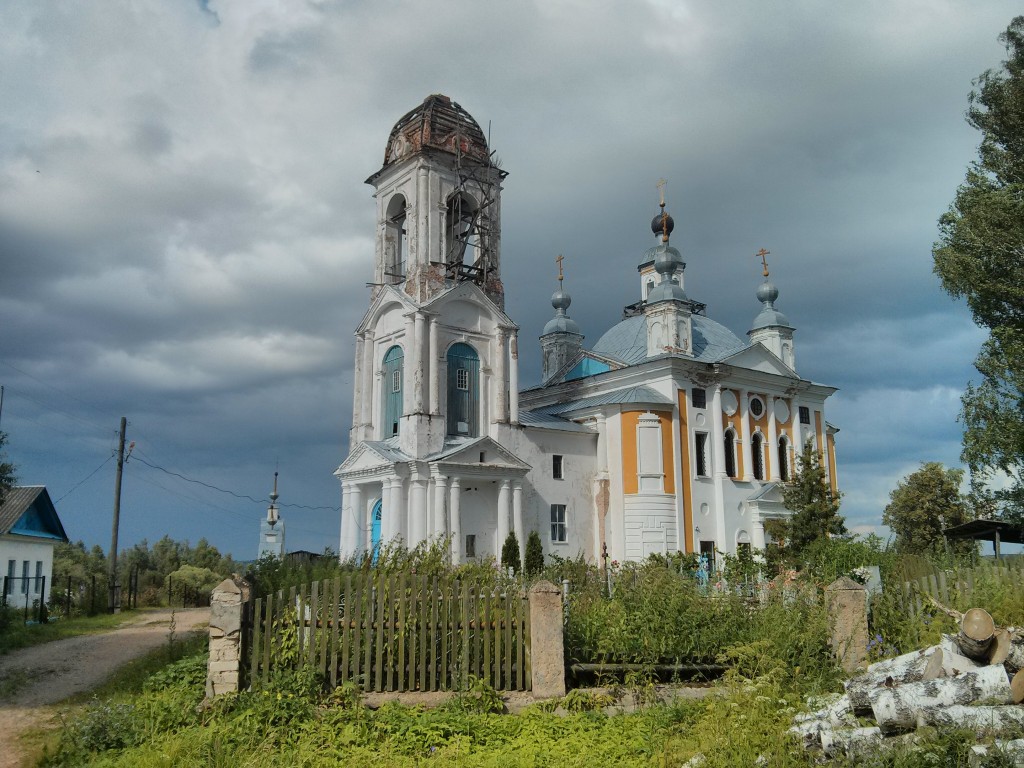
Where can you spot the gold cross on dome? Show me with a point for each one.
(559, 259)
(764, 261)
(661, 192)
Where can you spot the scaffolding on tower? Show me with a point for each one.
(471, 228)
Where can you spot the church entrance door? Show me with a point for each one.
(375, 530)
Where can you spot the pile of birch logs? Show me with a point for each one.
(972, 680)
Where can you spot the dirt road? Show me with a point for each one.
(55, 671)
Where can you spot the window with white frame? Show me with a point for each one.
(470, 545)
(462, 379)
(805, 414)
(24, 577)
(700, 445)
(756, 407)
(757, 455)
(396, 381)
(559, 531)
(556, 467)
(699, 398)
(784, 459)
(12, 566)
(730, 452)
(39, 576)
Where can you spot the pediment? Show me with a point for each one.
(495, 455)
(758, 357)
(388, 296)
(585, 363)
(469, 293)
(365, 456)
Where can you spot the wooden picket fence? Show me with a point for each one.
(395, 632)
(956, 589)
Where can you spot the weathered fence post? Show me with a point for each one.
(227, 607)
(848, 613)
(547, 656)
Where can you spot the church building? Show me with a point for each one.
(669, 433)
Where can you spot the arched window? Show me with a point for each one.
(463, 390)
(757, 455)
(784, 459)
(730, 453)
(392, 391)
(462, 230)
(396, 241)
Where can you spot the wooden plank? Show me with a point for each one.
(403, 612)
(422, 629)
(335, 618)
(435, 598)
(312, 608)
(392, 609)
(257, 627)
(933, 586)
(464, 626)
(268, 634)
(357, 629)
(526, 681)
(379, 634)
(499, 629)
(444, 669)
(299, 604)
(410, 634)
(346, 613)
(478, 654)
(485, 635)
(943, 588)
(370, 597)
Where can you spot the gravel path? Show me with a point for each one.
(55, 671)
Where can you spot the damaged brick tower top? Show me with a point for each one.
(438, 204)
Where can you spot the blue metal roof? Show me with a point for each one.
(627, 341)
(640, 394)
(549, 421)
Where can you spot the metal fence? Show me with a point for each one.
(25, 593)
(394, 632)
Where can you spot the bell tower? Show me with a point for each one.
(438, 205)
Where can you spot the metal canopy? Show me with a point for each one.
(995, 531)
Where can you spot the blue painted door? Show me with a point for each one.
(375, 531)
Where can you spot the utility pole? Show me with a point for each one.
(115, 598)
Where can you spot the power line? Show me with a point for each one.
(80, 482)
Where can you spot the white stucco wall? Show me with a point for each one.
(19, 549)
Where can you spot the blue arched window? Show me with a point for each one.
(463, 390)
(392, 391)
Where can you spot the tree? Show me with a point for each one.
(510, 553)
(815, 508)
(533, 563)
(7, 476)
(980, 257)
(923, 504)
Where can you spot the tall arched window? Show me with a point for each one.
(757, 455)
(784, 459)
(461, 230)
(463, 390)
(730, 453)
(396, 241)
(392, 391)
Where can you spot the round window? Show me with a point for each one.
(756, 407)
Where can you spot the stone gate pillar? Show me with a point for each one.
(224, 671)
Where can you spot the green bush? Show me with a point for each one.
(510, 553)
(533, 562)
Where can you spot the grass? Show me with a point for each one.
(18, 635)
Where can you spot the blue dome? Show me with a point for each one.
(627, 340)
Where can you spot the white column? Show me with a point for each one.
(440, 522)
(409, 366)
(748, 473)
(500, 400)
(798, 430)
(455, 522)
(387, 523)
(433, 369)
(717, 438)
(421, 374)
(344, 549)
(396, 497)
(358, 515)
(417, 511)
(422, 219)
(357, 386)
(757, 534)
(772, 449)
(513, 380)
(517, 517)
(366, 405)
(504, 502)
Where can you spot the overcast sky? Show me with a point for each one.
(185, 235)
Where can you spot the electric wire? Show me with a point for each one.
(80, 482)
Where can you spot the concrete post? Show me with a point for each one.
(547, 654)
(848, 614)
(224, 670)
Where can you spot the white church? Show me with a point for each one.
(671, 433)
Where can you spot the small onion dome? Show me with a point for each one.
(769, 316)
(659, 227)
(667, 261)
(561, 322)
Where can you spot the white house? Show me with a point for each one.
(29, 530)
(669, 433)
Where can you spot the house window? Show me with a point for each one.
(805, 414)
(12, 566)
(556, 467)
(393, 360)
(470, 545)
(757, 455)
(784, 459)
(24, 577)
(558, 528)
(463, 390)
(39, 577)
(699, 398)
(756, 407)
(730, 453)
(700, 444)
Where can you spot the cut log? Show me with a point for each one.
(908, 668)
(850, 741)
(977, 630)
(982, 754)
(1015, 657)
(836, 709)
(981, 720)
(898, 709)
(1017, 687)
(1000, 648)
